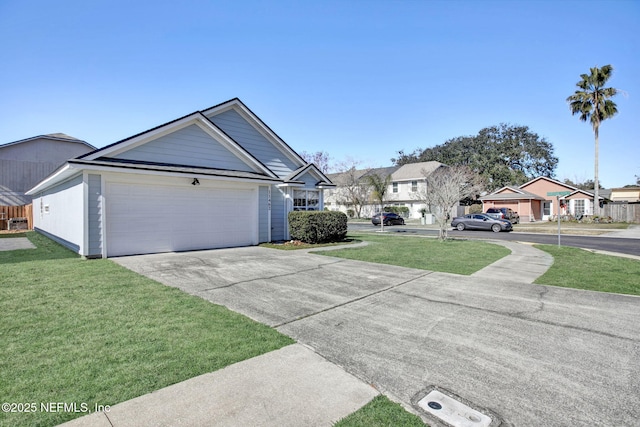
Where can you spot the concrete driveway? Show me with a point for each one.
(525, 354)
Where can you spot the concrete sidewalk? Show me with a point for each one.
(14, 243)
(292, 386)
(632, 232)
(525, 264)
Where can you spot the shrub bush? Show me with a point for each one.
(317, 226)
(476, 208)
(400, 210)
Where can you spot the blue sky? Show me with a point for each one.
(359, 79)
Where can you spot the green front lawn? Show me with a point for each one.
(452, 256)
(93, 332)
(580, 269)
(381, 412)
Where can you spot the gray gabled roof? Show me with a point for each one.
(521, 194)
(408, 172)
(51, 136)
(415, 171)
(383, 172)
(324, 180)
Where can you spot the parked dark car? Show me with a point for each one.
(504, 213)
(481, 222)
(388, 218)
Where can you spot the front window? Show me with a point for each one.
(414, 186)
(306, 200)
(395, 187)
(578, 207)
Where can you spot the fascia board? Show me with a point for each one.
(516, 197)
(547, 179)
(313, 169)
(60, 175)
(586, 193)
(136, 169)
(291, 184)
(506, 187)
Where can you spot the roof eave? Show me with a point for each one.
(63, 173)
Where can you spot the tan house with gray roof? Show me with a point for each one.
(407, 183)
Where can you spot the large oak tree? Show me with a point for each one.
(501, 155)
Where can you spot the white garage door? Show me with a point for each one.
(145, 219)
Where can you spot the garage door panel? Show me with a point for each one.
(153, 218)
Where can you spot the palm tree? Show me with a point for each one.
(591, 101)
(379, 186)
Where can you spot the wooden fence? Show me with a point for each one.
(622, 211)
(8, 212)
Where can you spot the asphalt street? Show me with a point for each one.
(610, 244)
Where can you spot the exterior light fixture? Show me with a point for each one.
(195, 181)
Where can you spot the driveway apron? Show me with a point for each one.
(271, 286)
(525, 354)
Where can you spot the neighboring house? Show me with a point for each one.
(626, 194)
(407, 185)
(214, 178)
(26, 162)
(532, 203)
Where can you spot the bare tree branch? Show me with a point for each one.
(351, 190)
(444, 189)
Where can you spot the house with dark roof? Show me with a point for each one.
(26, 162)
(214, 178)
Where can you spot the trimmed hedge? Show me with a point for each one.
(400, 210)
(317, 226)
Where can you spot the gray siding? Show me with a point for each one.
(263, 214)
(278, 214)
(251, 140)
(188, 146)
(309, 180)
(16, 177)
(24, 165)
(94, 201)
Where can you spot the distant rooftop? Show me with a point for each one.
(55, 136)
(62, 136)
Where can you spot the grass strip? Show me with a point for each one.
(381, 412)
(93, 332)
(451, 256)
(581, 269)
(9, 235)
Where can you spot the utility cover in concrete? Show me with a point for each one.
(453, 412)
